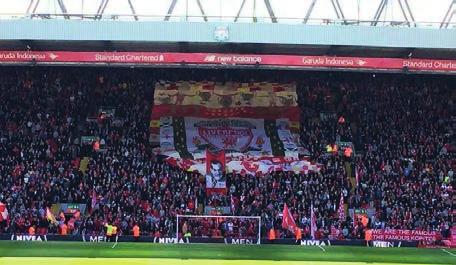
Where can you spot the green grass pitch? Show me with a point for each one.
(62, 253)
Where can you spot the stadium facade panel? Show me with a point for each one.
(211, 32)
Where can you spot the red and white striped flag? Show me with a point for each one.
(233, 206)
(357, 176)
(287, 219)
(94, 200)
(341, 208)
(195, 210)
(3, 212)
(313, 222)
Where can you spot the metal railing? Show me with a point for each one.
(226, 19)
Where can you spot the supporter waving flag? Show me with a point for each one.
(287, 219)
(94, 201)
(3, 212)
(233, 205)
(357, 176)
(313, 222)
(50, 216)
(341, 208)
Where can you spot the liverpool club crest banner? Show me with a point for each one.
(239, 137)
(255, 125)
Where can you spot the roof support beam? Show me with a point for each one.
(403, 13)
(405, 10)
(27, 12)
(450, 18)
(104, 8)
(270, 11)
(309, 11)
(63, 8)
(412, 18)
(448, 15)
(170, 10)
(452, 14)
(338, 10)
(34, 4)
(335, 9)
(379, 12)
(255, 20)
(101, 9)
(240, 10)
(200, 6)
(132, 10)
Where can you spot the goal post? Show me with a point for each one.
(220, 226)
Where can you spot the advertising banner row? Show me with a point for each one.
(189, 240)
(228, 59)
(407, 235)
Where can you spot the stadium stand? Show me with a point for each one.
(401, 128)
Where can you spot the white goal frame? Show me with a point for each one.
(220, 216)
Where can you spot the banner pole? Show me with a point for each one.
(259, 230)
(177, 228)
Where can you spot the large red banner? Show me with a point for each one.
(227, 59)
(215, 172)
(406, 235)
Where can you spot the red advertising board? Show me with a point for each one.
(227, 59)
(405, 235)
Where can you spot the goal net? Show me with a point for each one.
(233, 229)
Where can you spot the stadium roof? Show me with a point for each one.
(408, 13)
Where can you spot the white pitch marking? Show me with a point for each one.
(452, 254)
(115, 244)
(322, 248)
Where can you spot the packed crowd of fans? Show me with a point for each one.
(400, 129)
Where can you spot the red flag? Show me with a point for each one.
(94, 200)
(357, 176)
(196, 205)
(233, 206)
(341, 208)
(287, 219)
(3, 212)
(334, 232)
(215, 172)
(50, 216)
(341, 120)
(313, 222)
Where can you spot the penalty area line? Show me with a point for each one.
(322, 248)
(115, 244)
(446, 251)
